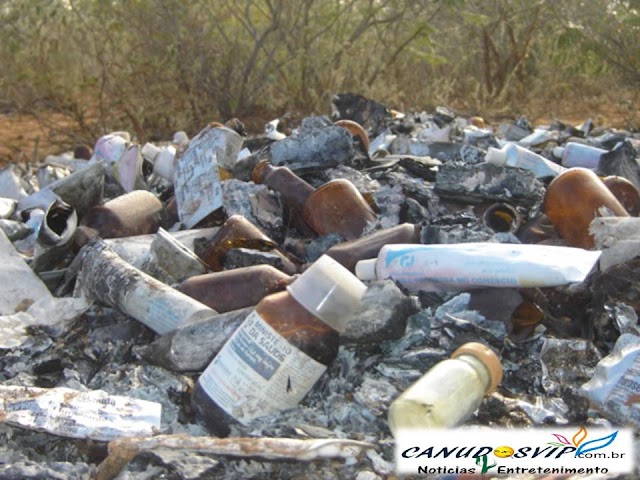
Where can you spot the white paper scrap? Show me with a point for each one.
(20, 286)
(197, 181)
(70, 413)
(46, 310)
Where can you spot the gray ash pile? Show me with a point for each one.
(250, 306)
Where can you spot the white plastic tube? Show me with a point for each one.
(578, 155)
(512, 155)
(464, 266)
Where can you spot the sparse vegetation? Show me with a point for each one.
(156, 66)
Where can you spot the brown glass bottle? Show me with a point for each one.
(626, 193)
(356, 130)
(499, 217)
(293, 189)
(351, 252)
(238, 232)
(280, 350)
(337, 207)
(573, 199)
(539, 229)
(234, 289)
(135, 213)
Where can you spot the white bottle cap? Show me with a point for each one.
(150, 151)
(558, 151)
(180, 138)
(496, 156)
(328, 291)
(366, 269)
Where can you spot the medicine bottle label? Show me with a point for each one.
(259, 372)
(622, 401)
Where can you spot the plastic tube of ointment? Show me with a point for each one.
(464, 266)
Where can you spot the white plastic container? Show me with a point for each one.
(111, 147)
(449, 392)
(162, 158)
(538, 137)
(462, 266)
(579, 155)
(512, 155)
(614, 388)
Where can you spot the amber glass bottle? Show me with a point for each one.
(135, 213)
(573, 199)
(292, 188)
(351, 252)
(238, 232)
(500, 217)
(626, 193)
(281, 349)
(356, 130)
(233, 289)
(337, 207)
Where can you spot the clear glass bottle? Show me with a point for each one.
(574, 199)
(449, 393)
(281, 349)
(233, 289)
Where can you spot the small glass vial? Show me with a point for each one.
(234, 289)
(351, 252)
(449, 393)
(281, 349)
(574, 199)
(238, 232)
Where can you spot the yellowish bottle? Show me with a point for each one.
(449, 393)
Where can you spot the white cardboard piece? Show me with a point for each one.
(197, 181)
(71, 413)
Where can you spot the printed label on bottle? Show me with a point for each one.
(259, 372)
(624, 399)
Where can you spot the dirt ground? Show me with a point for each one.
(24, 138)
(27, 139)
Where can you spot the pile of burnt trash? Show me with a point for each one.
(254, 306)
